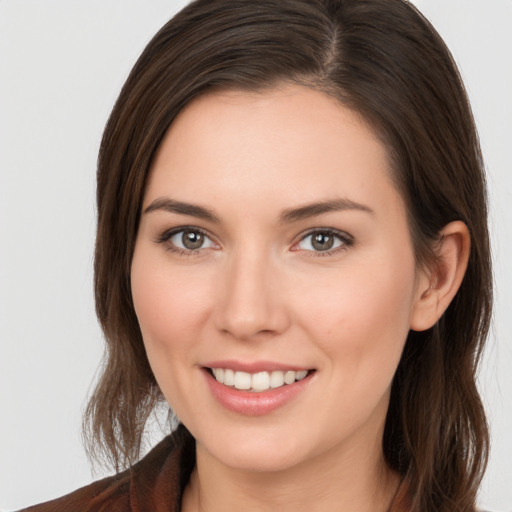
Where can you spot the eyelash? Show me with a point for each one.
(345, 239)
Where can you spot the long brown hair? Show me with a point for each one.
(383, 59)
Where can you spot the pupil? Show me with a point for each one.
(322, 242)
(192, 240)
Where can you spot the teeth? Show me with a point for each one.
(242, 380)
(257, 382)
(260, 381)
(276, 379)
(219, 374)
(229, 377)
(289, 377)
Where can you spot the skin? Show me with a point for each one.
(258, 290)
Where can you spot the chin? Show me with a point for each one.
(259, 460)
(256, 453)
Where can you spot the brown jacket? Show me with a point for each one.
(155, 484)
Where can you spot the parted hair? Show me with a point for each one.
(384, 60)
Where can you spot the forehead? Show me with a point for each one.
(290, 143)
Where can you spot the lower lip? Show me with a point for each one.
(255, 403)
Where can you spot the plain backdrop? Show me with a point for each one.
(62, 64)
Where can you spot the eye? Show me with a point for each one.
(324, 240)
(186, 240)
(191, 240)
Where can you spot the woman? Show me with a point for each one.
(292, 251)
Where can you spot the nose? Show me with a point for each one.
(252, 301)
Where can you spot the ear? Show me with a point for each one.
(437, 286)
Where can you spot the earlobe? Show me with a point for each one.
(438, 285)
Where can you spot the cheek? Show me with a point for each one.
(361, 317)
(164, 302)
(169, 306)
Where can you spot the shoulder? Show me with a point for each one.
(112, 494)
(159, 477)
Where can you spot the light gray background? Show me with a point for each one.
(62, 64)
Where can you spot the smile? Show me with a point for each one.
(257, 382)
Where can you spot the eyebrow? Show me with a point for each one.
(288, 216)
(172, 206)
(313, 209)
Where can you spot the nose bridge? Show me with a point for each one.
(252, 302)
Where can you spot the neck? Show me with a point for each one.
(357, 480)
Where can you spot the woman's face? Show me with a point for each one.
(274, 251)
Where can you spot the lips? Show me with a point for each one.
(257, 388)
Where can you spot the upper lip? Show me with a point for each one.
(254, 366)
